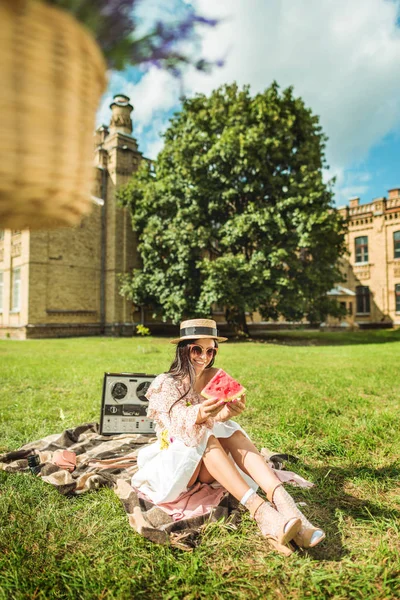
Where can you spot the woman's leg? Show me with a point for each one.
(221, 469)
(247, 457)
(272, 525)
(202, 474)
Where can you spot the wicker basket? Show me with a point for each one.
(52, 76)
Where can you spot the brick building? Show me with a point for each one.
(371, 270)
(65, 281)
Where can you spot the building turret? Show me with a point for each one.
(121, 121)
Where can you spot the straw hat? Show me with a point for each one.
(198, 328)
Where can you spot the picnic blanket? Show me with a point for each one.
(79, 460)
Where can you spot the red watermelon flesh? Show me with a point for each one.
(223, 387)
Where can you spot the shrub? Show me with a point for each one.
(142, 330)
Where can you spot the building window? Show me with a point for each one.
(397, 296)
(16, 290)
(361, 249)
(396, 243)
(350, 308)
(1, 291)
(1, 234)
(363, 300)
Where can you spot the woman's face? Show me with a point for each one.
(202, 352)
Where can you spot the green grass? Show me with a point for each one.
(319, 337)
(336, 406)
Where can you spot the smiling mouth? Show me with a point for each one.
(200, 363)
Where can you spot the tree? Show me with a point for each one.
(235, 212)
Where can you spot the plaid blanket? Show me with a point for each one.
(111, 461)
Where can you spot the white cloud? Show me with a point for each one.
(342, 57)
(349, 183)
(154, 95)
(153, 147)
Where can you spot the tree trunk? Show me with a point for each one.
(236, 320)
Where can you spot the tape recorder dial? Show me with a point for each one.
(124, 404)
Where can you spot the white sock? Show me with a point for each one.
(246, 496)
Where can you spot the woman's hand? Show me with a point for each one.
(210, 407)
(232, 409)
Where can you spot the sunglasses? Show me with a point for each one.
(199, 351)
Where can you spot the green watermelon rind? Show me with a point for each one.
(226, 399)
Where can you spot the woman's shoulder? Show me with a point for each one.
(163, 381)
(162, 389)
(207, 376)
(160, 380)
(211, 372)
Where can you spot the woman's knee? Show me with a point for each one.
(212, 443)
(214, 451)
(232, 440)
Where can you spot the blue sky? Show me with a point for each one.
(341, 56)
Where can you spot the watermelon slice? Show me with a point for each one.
(223, 387)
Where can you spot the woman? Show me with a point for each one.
(198, 442)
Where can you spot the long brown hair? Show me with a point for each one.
(181, 366)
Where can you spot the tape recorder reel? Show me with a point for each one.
(124, 404)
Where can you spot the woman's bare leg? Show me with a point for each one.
(221, 469)
(202, 474)
(219, 466)
(248, 458)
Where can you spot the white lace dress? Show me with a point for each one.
(166, 467)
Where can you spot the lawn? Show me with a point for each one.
(335, 405)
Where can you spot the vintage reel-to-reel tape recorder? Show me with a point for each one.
(124, 404)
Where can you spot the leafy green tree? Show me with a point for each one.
(235, 211)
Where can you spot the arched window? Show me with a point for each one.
(396, 244)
